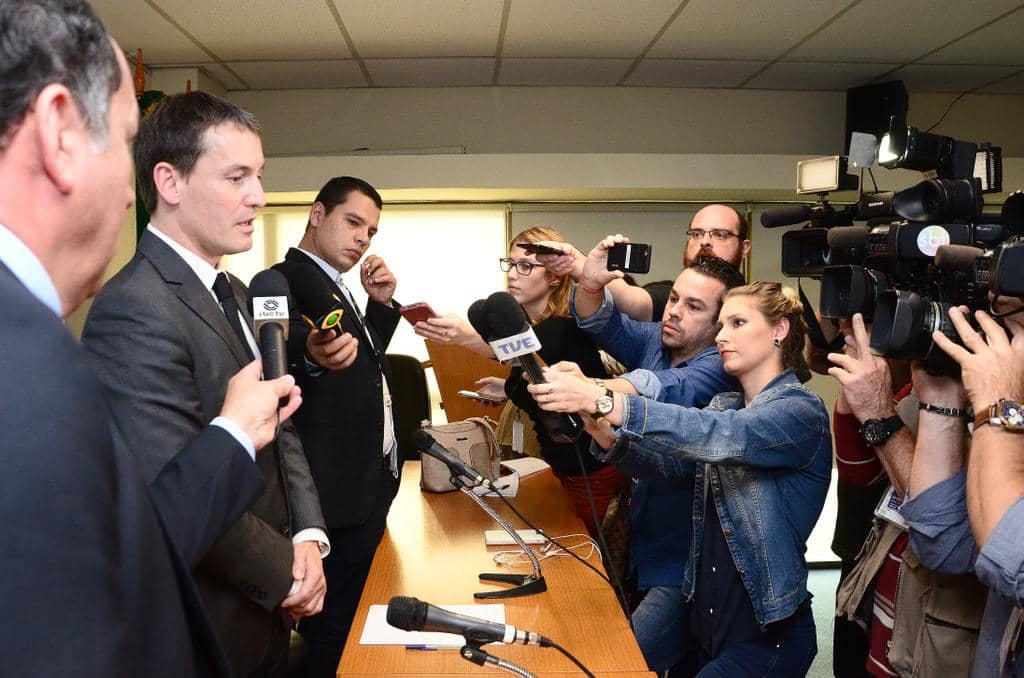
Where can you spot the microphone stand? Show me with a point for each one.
(525, 584)
(473, 653)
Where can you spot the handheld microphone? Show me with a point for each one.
(425, 443)
(314, 295)
(794, 214)
(514, 338)
(412, 614)
(268, 302)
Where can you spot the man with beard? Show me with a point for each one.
(674, 361)
(715, 230)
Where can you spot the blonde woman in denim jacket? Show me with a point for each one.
(765, 458)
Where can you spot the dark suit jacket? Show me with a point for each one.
(164, 349)
(341, 420)
(95, 566)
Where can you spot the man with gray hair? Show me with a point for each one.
(95, 562)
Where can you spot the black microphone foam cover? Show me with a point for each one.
(477, 316)
(421, 440)
(269, 283)
(785, 216)
(407, 613)
(505, 316)
(956, 257)
(846, 237)
(313, 295)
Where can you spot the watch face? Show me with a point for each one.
(605, 405)
(872, 431)
(1012, 415)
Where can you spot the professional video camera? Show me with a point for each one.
(921, 250)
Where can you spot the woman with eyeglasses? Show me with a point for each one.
(764, 459)
(545, 300)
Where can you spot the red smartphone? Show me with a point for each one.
(414, 313)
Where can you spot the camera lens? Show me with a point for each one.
(904, 323)
(936, 200)
(846, 290)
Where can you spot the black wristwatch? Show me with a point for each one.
(875, 432)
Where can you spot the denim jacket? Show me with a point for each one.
(768, 467)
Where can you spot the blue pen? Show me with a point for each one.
(421, 647)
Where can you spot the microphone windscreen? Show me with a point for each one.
(407, 613)
(269, 283)
(313, 295)
(477, 316)
(784, 216)
(847, 237)
(956, 257)
(504, 315)
(421, 440)
(862, 149)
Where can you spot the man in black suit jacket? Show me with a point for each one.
(95, 563)
(347, 422)
(165, 349)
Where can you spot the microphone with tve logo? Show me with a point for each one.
(412, 614)
(268, 302)
(502, 322)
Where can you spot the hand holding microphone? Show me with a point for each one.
(326, 344)
(252, 403)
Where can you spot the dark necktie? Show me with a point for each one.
(226, 297)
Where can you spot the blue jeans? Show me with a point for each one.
(785, 652)
(661, 623)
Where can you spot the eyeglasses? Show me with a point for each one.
(522, 266)
(716, 233)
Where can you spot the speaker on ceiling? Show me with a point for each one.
(869, 108)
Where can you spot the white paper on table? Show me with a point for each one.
(377, 631)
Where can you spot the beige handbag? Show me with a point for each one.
(471, 440)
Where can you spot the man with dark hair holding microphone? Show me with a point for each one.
(166, 333)
(347, 426)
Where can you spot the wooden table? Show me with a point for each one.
(434, 549)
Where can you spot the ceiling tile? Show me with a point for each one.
(300, 74)
(739, 29)
(817, 76)
(1012, 85)
(578, 72)
(692, 73)
(237, 31)
(999, 43)
(584, 28)
(930, 78)
(886, 31)
(440, 72)
(143, 28)
(424, 28)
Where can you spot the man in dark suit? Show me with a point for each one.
(347, 423)
(95, 563)
(165, 347)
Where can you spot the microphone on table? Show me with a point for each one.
(425, 443)
(268, 302)
(504, 325)
(313, 294)
(412, 614)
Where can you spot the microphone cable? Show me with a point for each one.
(573, 659)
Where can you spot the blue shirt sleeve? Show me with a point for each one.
(634, 344)
(781, 433)
(940, 533)
(1000, 565)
